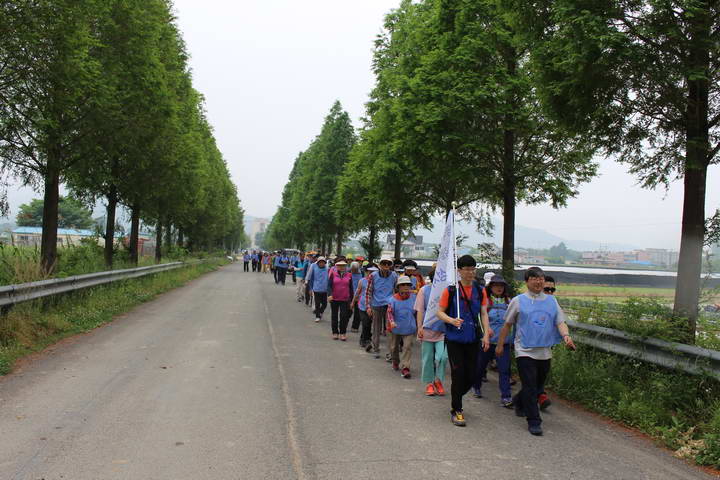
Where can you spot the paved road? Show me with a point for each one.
(229, 378)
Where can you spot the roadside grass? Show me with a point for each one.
(681, 411)
(32, 326)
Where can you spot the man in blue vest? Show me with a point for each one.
(317, 279)
(540, 324)
(381, 286)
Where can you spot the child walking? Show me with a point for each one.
(401, 323)
(498, 298)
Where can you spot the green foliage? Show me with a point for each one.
(71, 214)
(678, 409)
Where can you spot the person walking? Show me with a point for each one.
(402, 326)
(411, 271)
(540, 324)
(381, 285)
(357, 276)
(283, 263)
(299, 270)
(339, 295)
(246, 262)
(360, 302)
(318, 282)
(498, 298)
(550, 288)
(461, 332)
(432, 338)
(266, 262)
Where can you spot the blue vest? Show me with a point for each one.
(319, 279)
(356, 277)
(404, 315)
(536, 322)
(467, 331)
(283, 262)
(383, 289)
(496, 314)
(363, 290)
(300, 268)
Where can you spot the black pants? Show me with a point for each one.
(320, 304)
(254, 265)
(246, 267)
(293, 277)
(533, 374)
(463, 361)
(365, 334)
(356, 319)
(281, 273)
(275, 273)
(339, 316)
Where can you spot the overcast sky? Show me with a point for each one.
(270, 71)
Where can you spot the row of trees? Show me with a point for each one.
(98, 95)
(489, 103)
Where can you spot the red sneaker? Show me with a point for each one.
(430, 390)
(395, 366)
(439, 388)
(405, 372)
(544, 401)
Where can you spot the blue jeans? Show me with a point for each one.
(503, 365)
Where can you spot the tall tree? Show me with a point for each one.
(48, 110)
(71, 214)
(638, 77)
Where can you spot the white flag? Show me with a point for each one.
(445, 272)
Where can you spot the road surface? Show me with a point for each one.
(230, 378)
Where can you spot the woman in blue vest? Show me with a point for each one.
(540, 324)
(318, 281)
(357, 276)
(498, 298)
(360, 301)
(461, 332)
(381, 286)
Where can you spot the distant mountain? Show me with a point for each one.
(525, 237)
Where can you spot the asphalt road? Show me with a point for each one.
(230, 378)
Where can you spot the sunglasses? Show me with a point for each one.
(549, 289)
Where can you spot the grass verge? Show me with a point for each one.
(680, 411)
(32, 326)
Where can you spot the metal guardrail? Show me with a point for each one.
(23, 292)
(688, 358)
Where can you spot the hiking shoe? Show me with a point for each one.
(430, 390)
(544, 401)
(506, 402)
(458, 418)
(518, 410)
(343, 338)
(317, 319)
(535, 430)
(439, 388)
(477, 393)
(335, 336)
(405, 372)
(395, 366)
(368, 347)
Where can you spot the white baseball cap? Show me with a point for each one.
(404, 280)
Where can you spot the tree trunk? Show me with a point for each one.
(135, 235)
(398, 237)
(158, 241)
(168, 234)
(372, 243)
(110, 226)
(509, 188)
(339, 244)
(48, 245)
(687, 290)
(180, 238)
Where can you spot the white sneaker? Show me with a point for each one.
(317, 319)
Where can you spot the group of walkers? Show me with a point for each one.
(480, 322)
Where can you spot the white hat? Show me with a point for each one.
(321, 259)
(341, 262)
(386, 259)
(372, 269)
(487, 277)
(404, 280)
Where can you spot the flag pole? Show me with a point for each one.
(454, 239)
